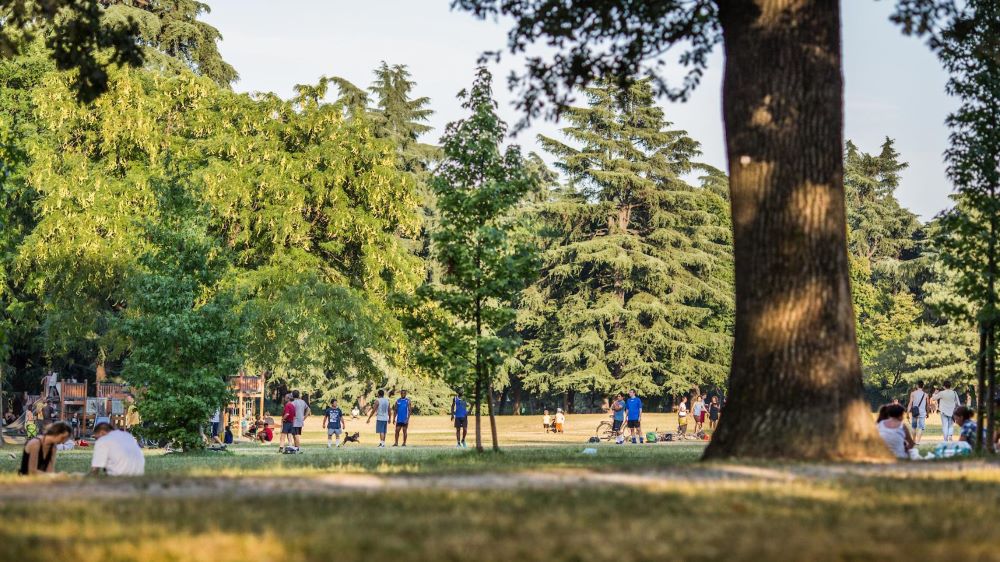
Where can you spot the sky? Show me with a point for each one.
(894, 85)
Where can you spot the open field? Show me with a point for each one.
(540, 499)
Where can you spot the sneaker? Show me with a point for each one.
(395, 444)
(404, 444)
(459, 446)
(464, 446)
(281, 449)
(329, 445)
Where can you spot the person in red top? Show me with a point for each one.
(287, 423)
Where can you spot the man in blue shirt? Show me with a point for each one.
(633, 410)
(401, 414)
(460, 414)
(333, 419)
(618, 417)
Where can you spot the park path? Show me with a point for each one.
(69, 487)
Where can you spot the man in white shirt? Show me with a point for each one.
(116, 453)
(917, 408)
(301, 413)
(947, 400)
(381, 413)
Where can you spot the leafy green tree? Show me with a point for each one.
(963, 34)
(637, 291)
(879, 227)
(795, 385)
(175, 35)
(184, 339)
(477, 184)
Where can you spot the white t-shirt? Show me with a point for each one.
(895, 439)
(300, 412)
(919, 399)
(682, 410)
(382, 409)
(560, 418)
(947, 401)
(119, 454)
(216, 417)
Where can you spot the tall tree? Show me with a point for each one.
(964, 36)
(173, 31)
(637, 291)
(795, 381)
(477, 184)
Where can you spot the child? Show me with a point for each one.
(333, 419)
(560, 420)
(546, 421)
(682, 419)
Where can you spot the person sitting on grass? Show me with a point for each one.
(893, 431)
(39, 453)
(967, 427)
(333, 420)
(560, 420)
(546, 421)
(265, 433)
(116, 453)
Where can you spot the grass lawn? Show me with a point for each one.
(534, 501)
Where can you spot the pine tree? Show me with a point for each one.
(172, 30)
(637, 289)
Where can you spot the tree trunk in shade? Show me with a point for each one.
(795, 382)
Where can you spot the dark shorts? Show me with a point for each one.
(286, 427)
(296, 430)
(633, 424)
(462, 423)
(616, 425)
(402, 423)
(215, 429)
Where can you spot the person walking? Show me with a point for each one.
(333, 421)
(917, 407)
(39, 454)
(301, 413)
(401, 416)
(947, 400)
(633, 409)
(460, 415)
(381, 414)
(618, 417)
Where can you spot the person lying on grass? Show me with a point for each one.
(893, 431)
(39, 453)
(116, 453)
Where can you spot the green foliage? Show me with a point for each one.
(184, 339)
(174, 35)
(77, 35)
(461, 319)
(636, 289)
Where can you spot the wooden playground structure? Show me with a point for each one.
(111, 401)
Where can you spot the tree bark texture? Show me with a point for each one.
(795, 381)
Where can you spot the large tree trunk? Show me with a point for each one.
(795, 382)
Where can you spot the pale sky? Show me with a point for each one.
(895, 86)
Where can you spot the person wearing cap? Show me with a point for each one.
(560, 420)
